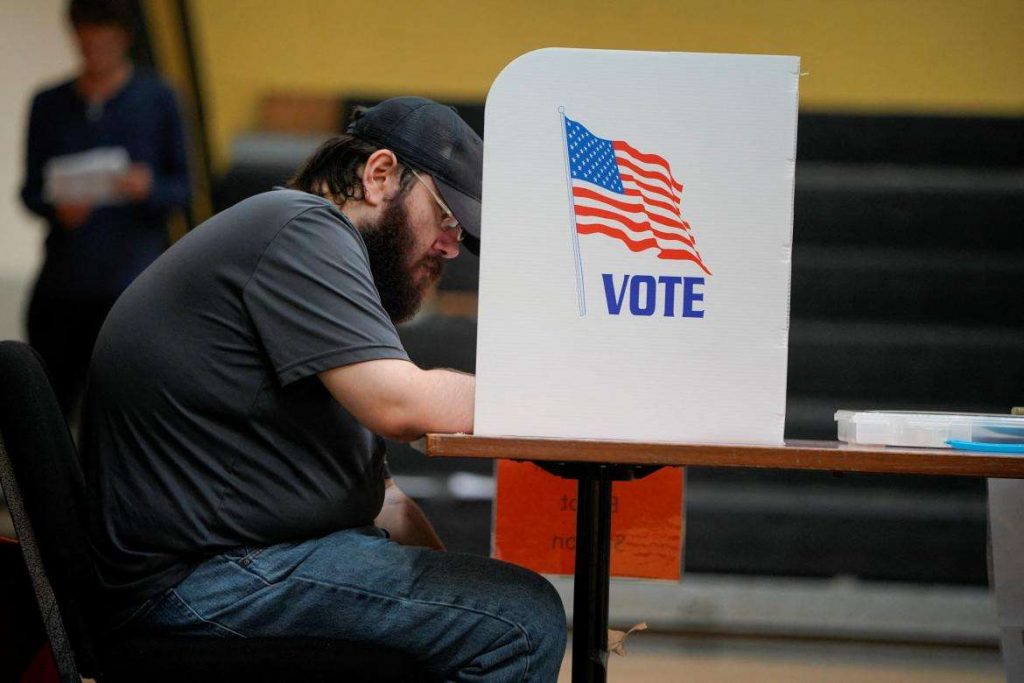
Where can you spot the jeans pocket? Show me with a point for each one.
(250, 555)
(243, 554)
(174, 614)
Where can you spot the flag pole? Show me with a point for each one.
(574, 235)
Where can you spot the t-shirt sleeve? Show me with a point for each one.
(313, 301)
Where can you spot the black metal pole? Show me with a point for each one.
(603, 566)
(590, 589)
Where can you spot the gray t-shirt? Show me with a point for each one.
(206, 426)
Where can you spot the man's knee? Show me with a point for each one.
(551, 609)
(540, 602)
(548, 630)
(532, 644)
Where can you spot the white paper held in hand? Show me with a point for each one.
(88, 177)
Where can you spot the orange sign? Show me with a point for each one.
(535, 522)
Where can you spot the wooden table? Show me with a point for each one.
(595, 464)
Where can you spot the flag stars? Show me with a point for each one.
(592, 158)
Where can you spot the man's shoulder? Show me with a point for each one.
(286, 204)
(284, 216)
(287, 197)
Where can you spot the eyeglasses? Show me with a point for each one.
(450, 222)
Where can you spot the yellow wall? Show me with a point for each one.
(949, 56)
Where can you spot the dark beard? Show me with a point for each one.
(389, 245)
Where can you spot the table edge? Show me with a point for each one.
(831, 456)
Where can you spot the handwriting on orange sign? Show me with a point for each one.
(536, 520)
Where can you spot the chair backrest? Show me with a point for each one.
(45, 489)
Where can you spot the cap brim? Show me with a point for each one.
(466, 210)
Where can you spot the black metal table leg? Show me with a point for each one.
(593, 560)
(590, 588)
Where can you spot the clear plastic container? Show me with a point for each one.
(927, 430)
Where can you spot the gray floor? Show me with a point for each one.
(715, 628)
(836, 609)
(656, 658)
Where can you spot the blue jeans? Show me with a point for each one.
(467, 618)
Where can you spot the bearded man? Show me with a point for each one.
(238, 397)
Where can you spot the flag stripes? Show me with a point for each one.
(628, 195)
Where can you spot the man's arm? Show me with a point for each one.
(404, 520)
(397, 400)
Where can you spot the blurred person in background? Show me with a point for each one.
(96, 247)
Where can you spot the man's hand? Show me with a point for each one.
(397, 400)
(72, 216)
(404, 520)
(137, 183)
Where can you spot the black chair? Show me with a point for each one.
(45, 489)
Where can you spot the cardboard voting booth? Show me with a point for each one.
(634, 278)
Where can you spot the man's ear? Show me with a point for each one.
(380, 177)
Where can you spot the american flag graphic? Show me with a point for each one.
(625, 194)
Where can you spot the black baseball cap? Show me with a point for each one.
(432, 137)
